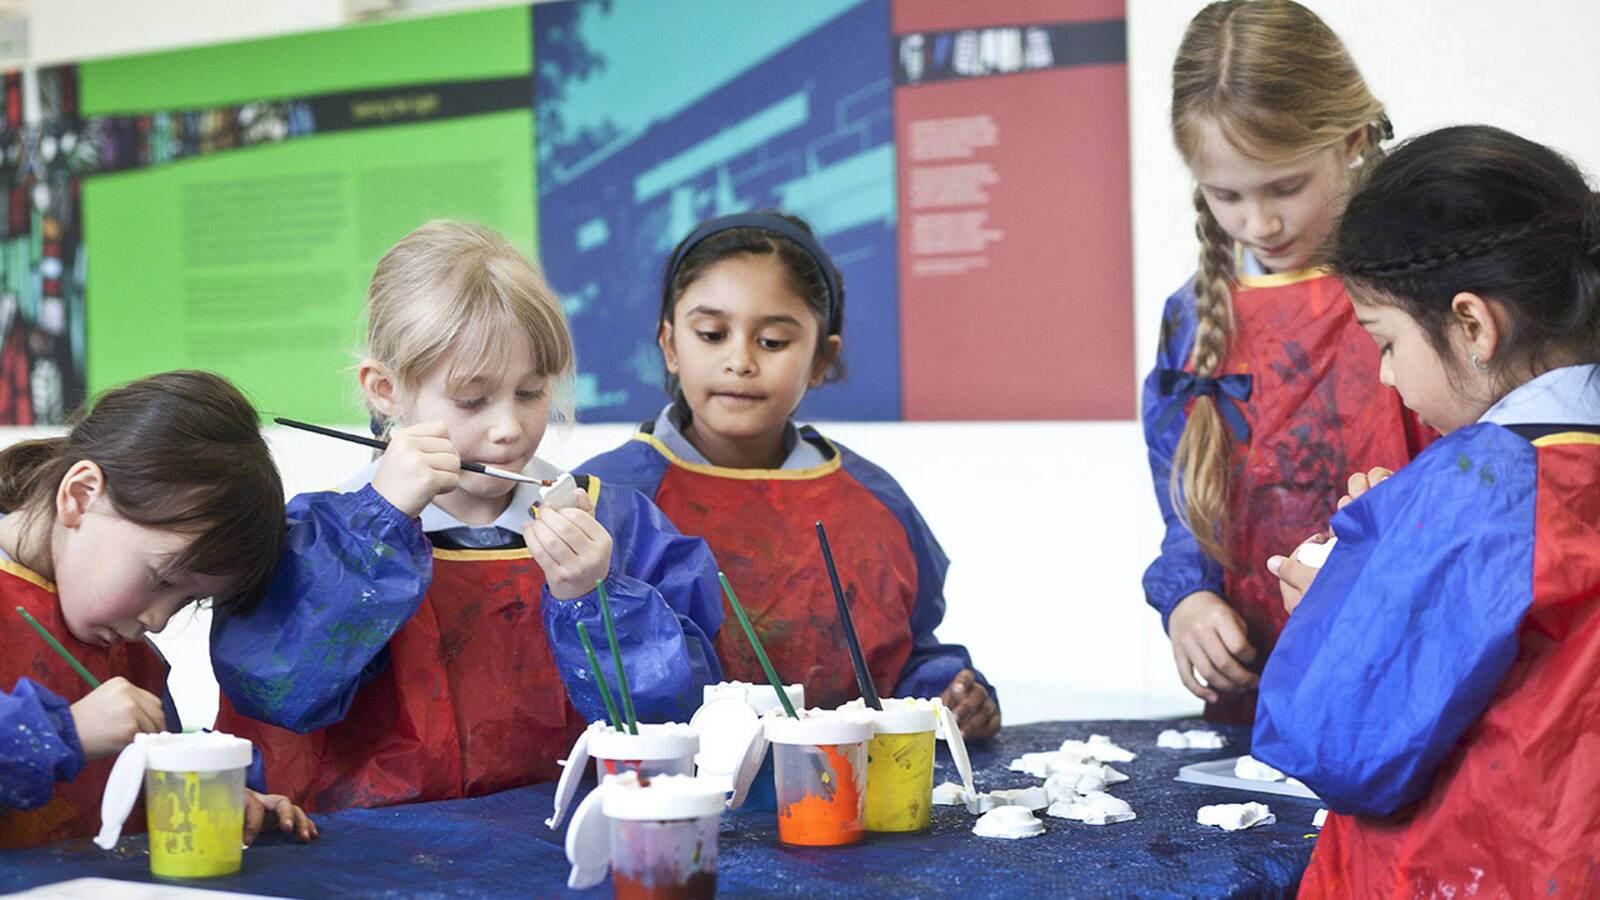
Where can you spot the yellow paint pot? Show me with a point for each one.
(900, 766)
(194, 801)
(196, 822)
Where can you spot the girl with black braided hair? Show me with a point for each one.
(1264, 396)
(1438, 676)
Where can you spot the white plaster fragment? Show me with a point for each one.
(1100, 747)
(949, 794)
(1094, 808)
(1193, 739)
(1235, 816)
(561, 495)
(1320, 819)
(1066, 785)
(1028, 798)
(1314, 552)
(1008, 822)
(1252, 769)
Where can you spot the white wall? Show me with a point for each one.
(1044, 588)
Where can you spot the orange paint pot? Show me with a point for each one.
(820, 768)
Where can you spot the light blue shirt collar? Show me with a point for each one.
(802, 454)
(1569, 395)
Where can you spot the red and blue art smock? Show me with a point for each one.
(397, 660)
(1437, 685)
(1299, 392)
(48, 790)
(761, 525)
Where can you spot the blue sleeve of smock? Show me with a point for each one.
(932, 664)
(666, 604)
(38, 745)
(1182, 568)
(353, 570)
(1408, 629)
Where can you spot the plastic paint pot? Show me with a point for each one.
(664, 749)
(760, 795)
(820, 764)
(663, 837)
(900, 766)
(194, 801)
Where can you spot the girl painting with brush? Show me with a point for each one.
(419, 639)
(752, 311)
(163, 493)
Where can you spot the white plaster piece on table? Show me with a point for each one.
(1100, 747)
(561, 495)
(1314, 553)
(1193, 739)
(949, 794)
(1252, 769)
(1066, 785)
(1094, 808)
(1320, 819)
(1052, 762)
(1235, 816)
(1009, 822)
(1028, 798)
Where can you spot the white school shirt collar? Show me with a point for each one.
(1569, 395)
(801, 453)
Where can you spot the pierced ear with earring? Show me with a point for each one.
(1478, 364)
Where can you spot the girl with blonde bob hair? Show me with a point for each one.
(1265, 394)
(419, 640)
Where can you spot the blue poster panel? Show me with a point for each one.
(653, 115)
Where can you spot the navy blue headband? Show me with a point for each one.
(778, 224)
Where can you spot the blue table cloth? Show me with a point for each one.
(498, 845)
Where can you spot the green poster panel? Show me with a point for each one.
(253, 261)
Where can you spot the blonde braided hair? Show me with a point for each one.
(1276, 80)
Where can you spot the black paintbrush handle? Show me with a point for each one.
(358, 439)
(869, 694)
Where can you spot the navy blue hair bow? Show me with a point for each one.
(1227, 392)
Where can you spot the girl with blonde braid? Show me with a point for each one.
(1265, 392)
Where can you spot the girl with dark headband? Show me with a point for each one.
(752, 311)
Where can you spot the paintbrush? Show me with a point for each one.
(480, 468)
(869, 694)
(63, 652)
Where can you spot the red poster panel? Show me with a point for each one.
(1016, 273)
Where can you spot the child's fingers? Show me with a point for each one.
(148, 715)
(569, 531)
(982, 725)
(284, 811)
(1225, 672)
(254, 814)
(1296, 574)
(430, 428)
(969, 704)
(586, 524)
(1236, 640)
(1186, 674)
(584, 503)
(547, 549)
